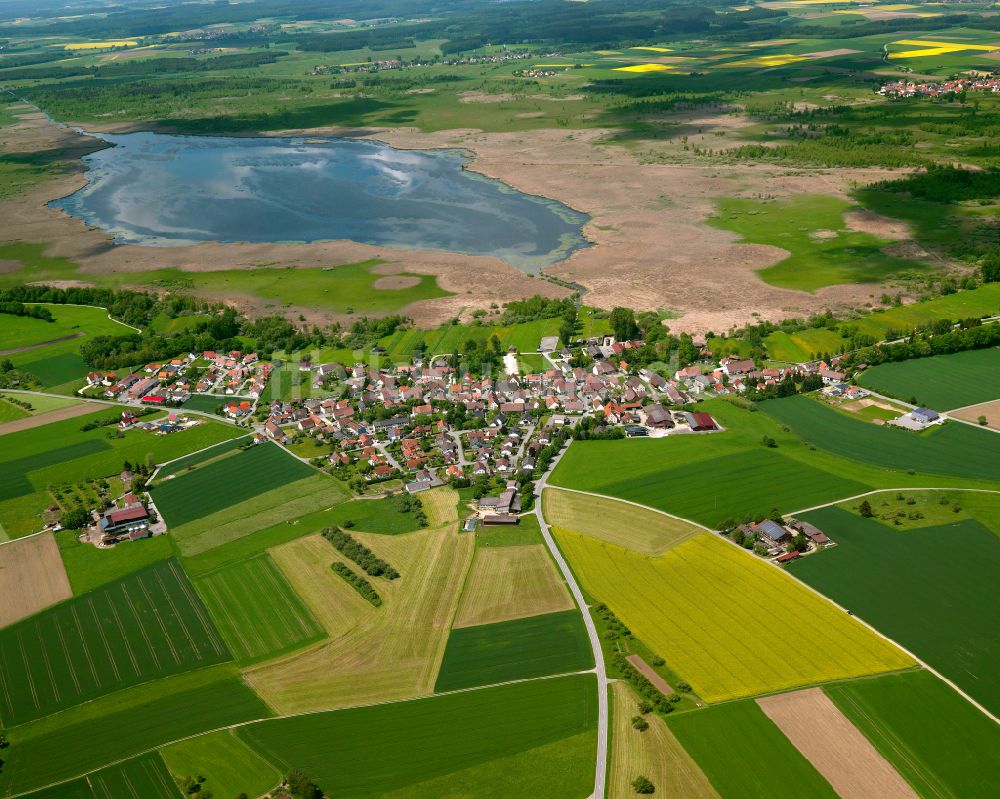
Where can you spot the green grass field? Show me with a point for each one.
(744, 754)
(11, 413)
(256, 611)
(89, 567)
(126, 723)
(197, 460)
(425, 739)
(554, 643)
(822, 250)
(955, 450)
(690, 607)
(941, 744)
(60, 452)
(228, 765)
(942, 382)
(147, 625)
(952, 569)
(226, 482)
(143, 776)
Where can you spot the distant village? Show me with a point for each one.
(909, 88)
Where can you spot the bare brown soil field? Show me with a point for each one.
(646, 671)
(396, 282)
(991, 410)
(655, 753)
(32, 577)
(648, 207)
(511, 583)
(397, 652)
(58, 415)
(828, 740)
(865, 221)
(867, 402)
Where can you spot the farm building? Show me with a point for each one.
(658, 417)
(132, 521)
(771, 532)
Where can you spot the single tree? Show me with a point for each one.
(640, 724)
(866, 509)
(643, 785)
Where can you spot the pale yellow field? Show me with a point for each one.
(768, 61)
(728, 623)
(645, 68)
(396, 653)
(101, 45)
(616, 522)
(653, 49)
(32, 577)
(655, 753)
(511, 583)
(305, 563)
(440, 505)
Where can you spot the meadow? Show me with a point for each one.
(109, 639)
(11, 413)
(942, 382)
(941, 744)
(228, 765)
(195, 460)
(257, 613)
(823, 251)
(60, 452)
(554, 643)
(689, 606)
(955, 450)
(713, 736)
(427, 738)
(224, 483)
(142, 718)
(952, 567)
(143, 776)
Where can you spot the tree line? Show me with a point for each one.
(351, 548)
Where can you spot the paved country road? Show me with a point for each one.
(600, 770)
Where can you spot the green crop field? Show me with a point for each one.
(147, 625)
(942, 382)
(199, 459)
(228, 765)
(60, 452)
(10, 412)
(938, 742)
(822, 250)
(689, 607)
(256, 610)
(554, 643)
(139, 778)
(424, 739)
(719, 739)
(952, 568)
(126, 723)
(89, 567)
(223, 483)
(957, 450)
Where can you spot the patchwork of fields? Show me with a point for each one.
(147, 625)
(690, 607)
(952, 567)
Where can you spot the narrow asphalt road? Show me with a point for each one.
(600, 771)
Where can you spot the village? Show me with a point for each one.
(909, 88)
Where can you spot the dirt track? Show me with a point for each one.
(27, 347)
(69, 412)
(829, 741)
(647, 671)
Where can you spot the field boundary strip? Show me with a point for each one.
(152, 477)
(886, 491)
(251, 722)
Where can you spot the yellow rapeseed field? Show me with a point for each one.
(101, 45)
(777, 60)
(931, 48)
(645, 68)
(653, 49)
(726, 622)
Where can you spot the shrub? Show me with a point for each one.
(640, 724)
(642, 785)
(360, 554)
(358, 583)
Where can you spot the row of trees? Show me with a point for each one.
(350, 547)
(975, 337)
(14, 308)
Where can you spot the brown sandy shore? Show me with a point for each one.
(652, 247)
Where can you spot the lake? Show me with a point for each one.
(151, 188)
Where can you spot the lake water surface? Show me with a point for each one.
(153, 188)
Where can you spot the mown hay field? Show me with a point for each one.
(726, 622)
(227, 482)
(956, 450)
(147, 625)
(32, 577)
(618, 523)
(396, 652)
(953, 566)
(940, 743)
(257, 613)
(228, 765)
(275, 508)
(126, 723)
(428, 738)
(654, 753)
(511, 583)
(959, 379)
(555, 643)
(717, 739)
